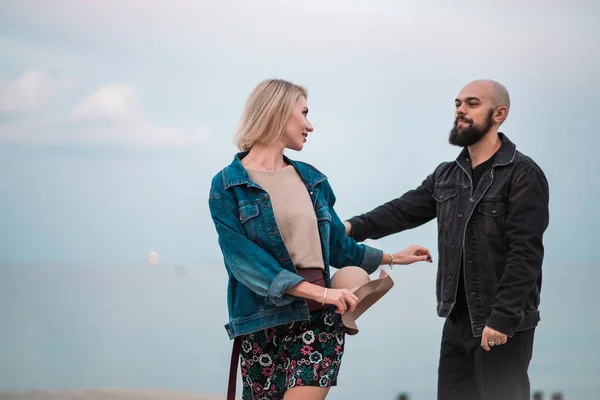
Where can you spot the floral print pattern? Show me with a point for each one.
(307, 353)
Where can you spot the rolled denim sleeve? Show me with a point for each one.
(345, 251)
(284, 281)
(250, 264)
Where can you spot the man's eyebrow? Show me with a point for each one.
(472, 98)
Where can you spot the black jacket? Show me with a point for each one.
(499, 225)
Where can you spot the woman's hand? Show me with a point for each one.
(343, 299)
(412, 254)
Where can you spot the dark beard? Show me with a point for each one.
(471, 134)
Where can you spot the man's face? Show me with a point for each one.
(473, 117)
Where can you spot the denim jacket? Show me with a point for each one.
(259, 266)
(495, 230)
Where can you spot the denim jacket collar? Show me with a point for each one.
(235, 174)
(505, 155)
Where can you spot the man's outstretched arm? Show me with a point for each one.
(412, 209)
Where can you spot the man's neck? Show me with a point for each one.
(481, 151)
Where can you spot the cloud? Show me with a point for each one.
(31, 91)
(110, 102)
(48, 131)
(401, 31)
(140, 132)
(111, 115)
(196, 49)
(118, 113)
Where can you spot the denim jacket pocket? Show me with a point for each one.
(248, 217)
(492, 208)
(444, 197)
(493, 214)
(442, 194)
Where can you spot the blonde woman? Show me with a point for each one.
(279, 233)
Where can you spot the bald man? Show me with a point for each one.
(491, 205)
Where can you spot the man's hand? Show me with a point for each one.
(348, 228)
(491, 337)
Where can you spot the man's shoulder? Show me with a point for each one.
(525, 160)
(519, 161)
(444, 169)
(523, 163)
(444, 166)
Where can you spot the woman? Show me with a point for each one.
(276, 227)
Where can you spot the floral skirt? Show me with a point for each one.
(306, 353)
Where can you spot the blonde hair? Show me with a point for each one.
(266, 112)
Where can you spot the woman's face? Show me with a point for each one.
(297, 127)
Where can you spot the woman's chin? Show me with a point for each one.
(296, 146)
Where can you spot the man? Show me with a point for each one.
(491, 205)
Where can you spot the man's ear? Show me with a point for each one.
(500, 114)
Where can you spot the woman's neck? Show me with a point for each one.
(269, 158)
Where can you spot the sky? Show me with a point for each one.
(114, 117)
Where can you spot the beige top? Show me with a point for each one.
(294, 214)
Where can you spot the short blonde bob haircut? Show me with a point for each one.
(266, 112)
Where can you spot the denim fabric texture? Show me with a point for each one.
(259, 266)
(498, 228)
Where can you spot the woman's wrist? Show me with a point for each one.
(389, 259)
(308, 291)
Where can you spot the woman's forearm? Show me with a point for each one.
(308, 291)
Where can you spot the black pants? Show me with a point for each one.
(467, 372)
